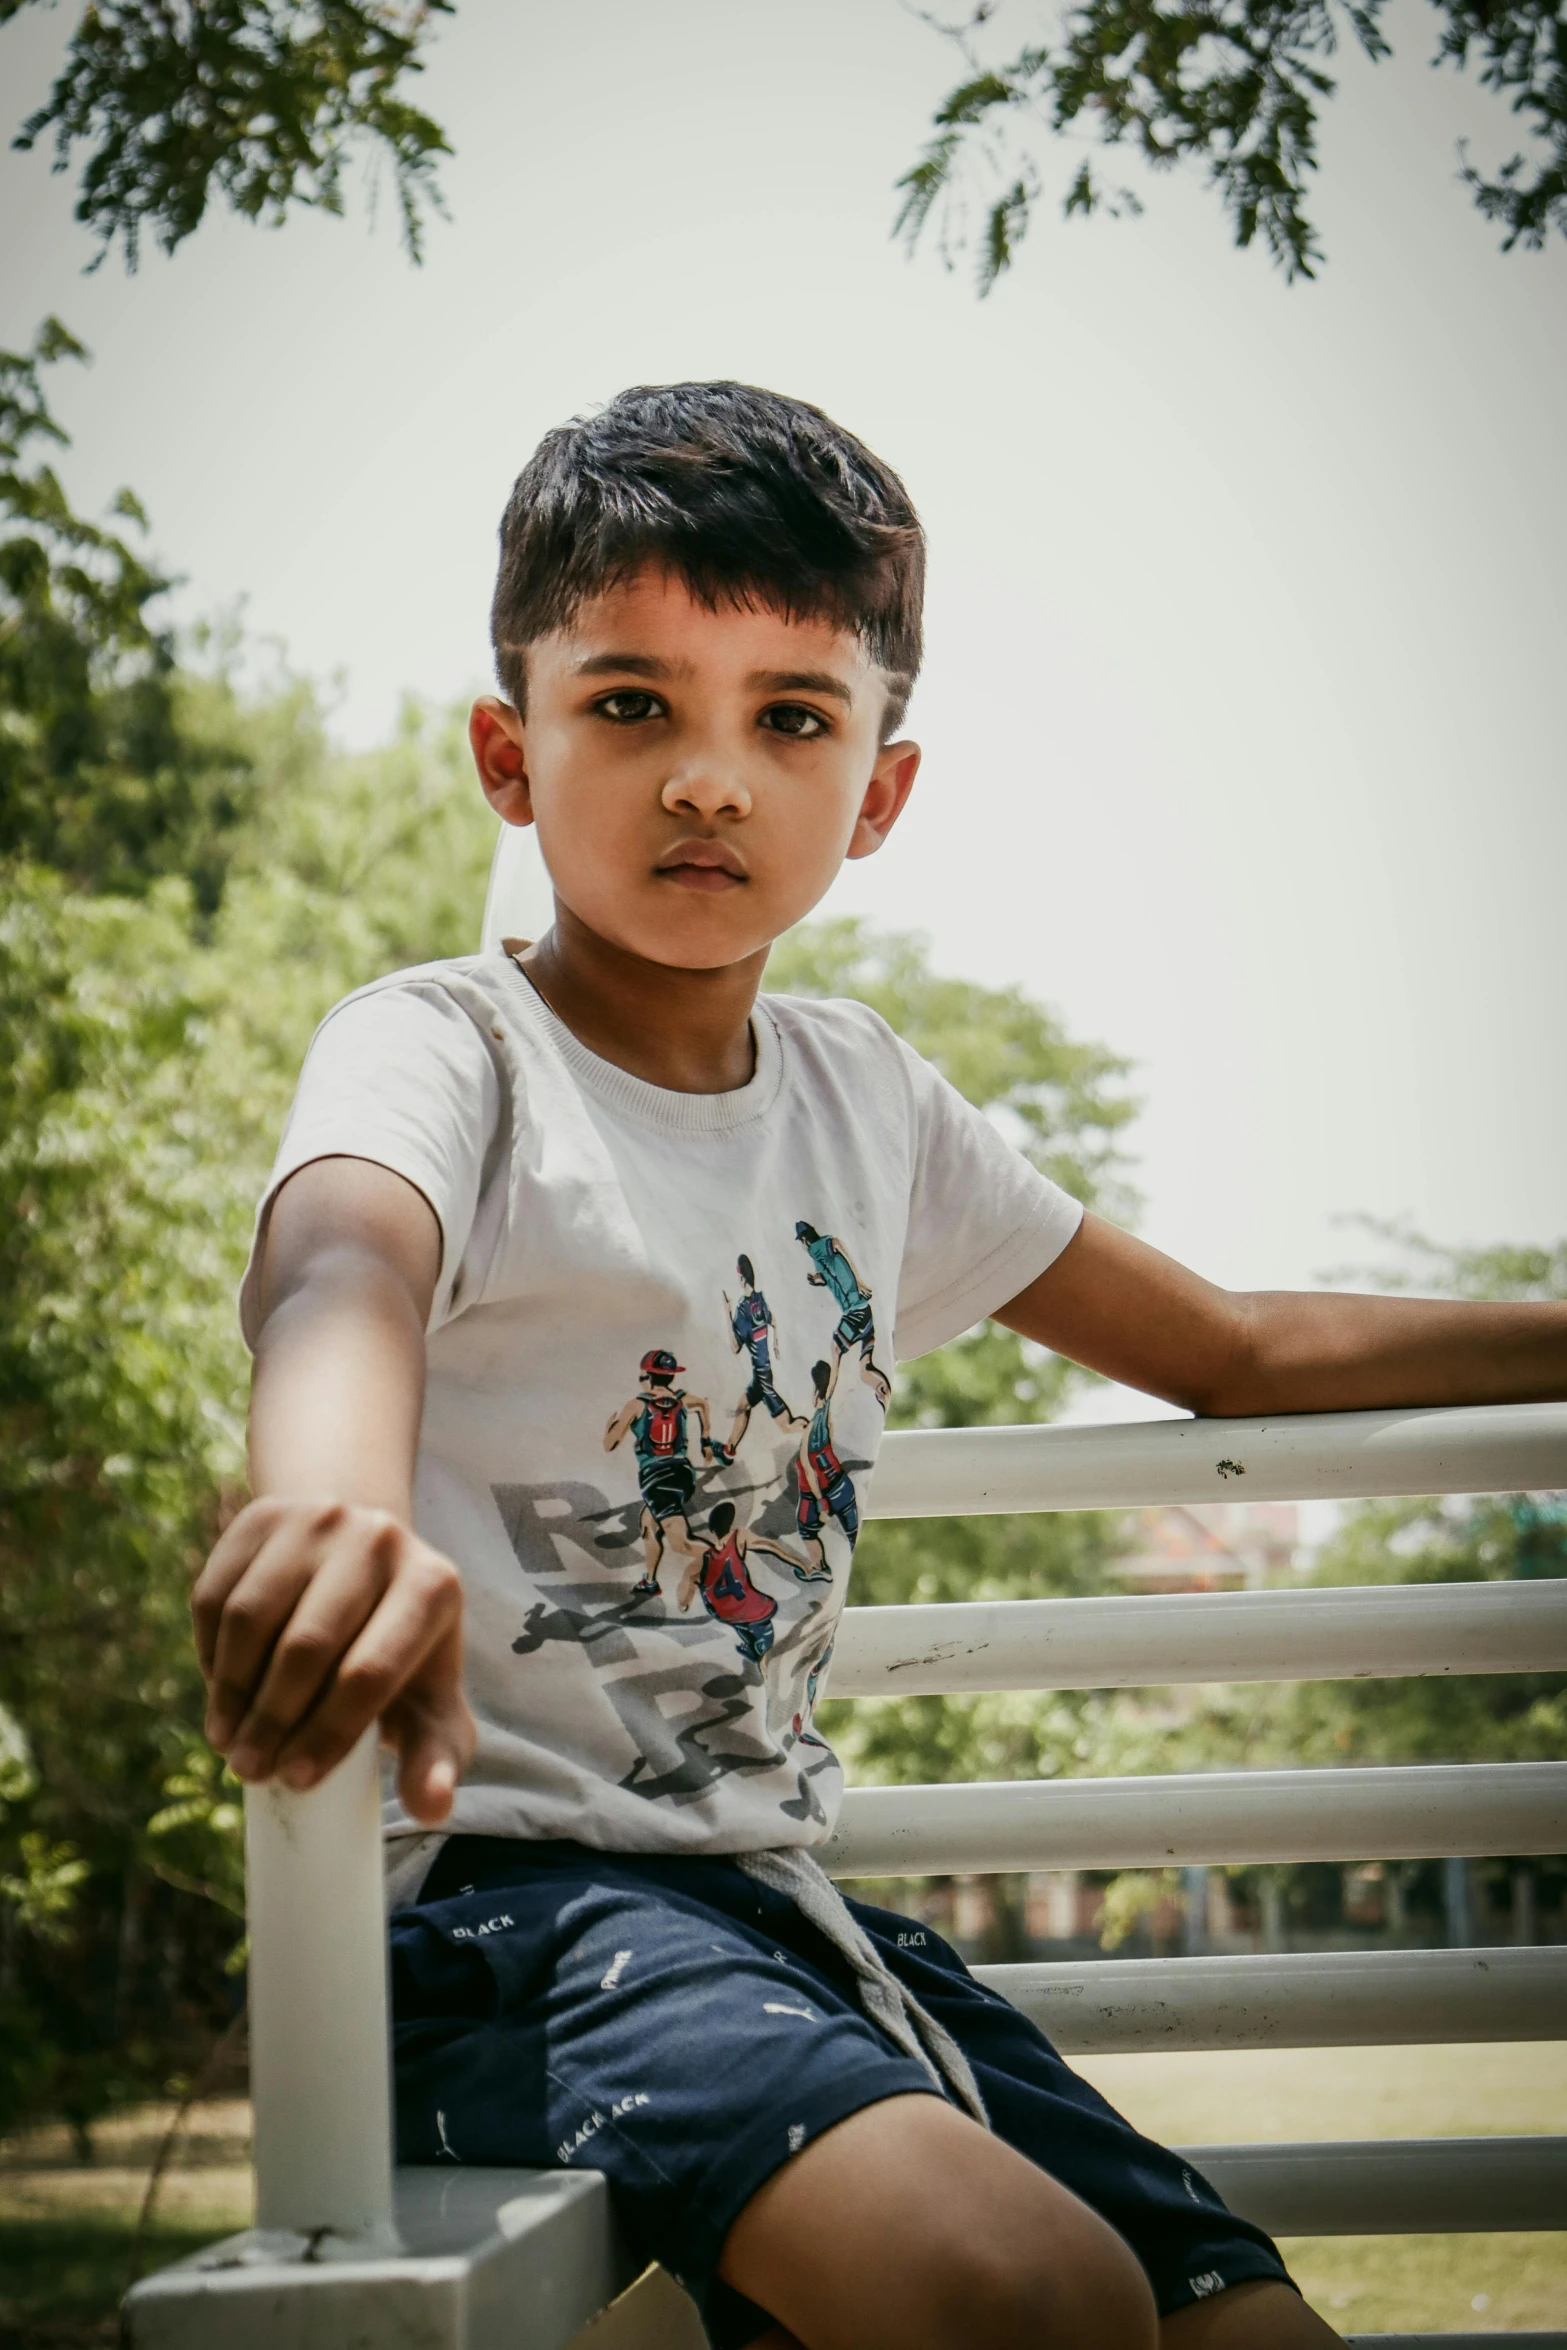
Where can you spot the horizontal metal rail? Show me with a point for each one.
(1392, 2186)
(1410, 1812)
(1311, 1456)
(1316, 1999)
(1143, 1641)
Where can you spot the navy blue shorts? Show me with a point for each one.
(683, 2029)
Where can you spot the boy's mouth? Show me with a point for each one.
(710, 865)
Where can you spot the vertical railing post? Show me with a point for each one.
(320, 2059)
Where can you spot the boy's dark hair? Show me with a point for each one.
(746, 1271)
(745, 495)
(721, 1518)
(821, 1380)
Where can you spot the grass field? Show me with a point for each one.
(1375, 2284)
(66, 2231)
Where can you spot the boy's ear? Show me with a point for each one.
(495, 738)
(892, 780)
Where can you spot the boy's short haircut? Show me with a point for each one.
(746, 496)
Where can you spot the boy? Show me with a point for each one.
(506, 1175)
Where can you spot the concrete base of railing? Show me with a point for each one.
(492, 2260)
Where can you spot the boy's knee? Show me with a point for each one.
(1087, 2292)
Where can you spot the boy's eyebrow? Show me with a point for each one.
(773, 681)
(637, 664)
(801, 681)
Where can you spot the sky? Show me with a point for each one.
(1241, 705)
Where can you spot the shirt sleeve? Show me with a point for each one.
(983, 1222)
(399, 1076)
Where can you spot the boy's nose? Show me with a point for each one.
(707, 785)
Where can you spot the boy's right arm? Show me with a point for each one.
(320, 1609)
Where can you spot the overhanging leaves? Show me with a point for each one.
(262, 101)
(1231, 87)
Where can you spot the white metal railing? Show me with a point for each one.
(517, 2261)
(1292, 1999)
(1311, 1456)
(1148, 1640)
(1424, 1811)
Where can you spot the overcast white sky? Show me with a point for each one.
(1247, 606)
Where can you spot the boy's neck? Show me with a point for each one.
(688, 1031)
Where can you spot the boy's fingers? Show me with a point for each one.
(232, 1553)
(257, 1607)
(414, 1632)
(434, 1748)
(330, 1613)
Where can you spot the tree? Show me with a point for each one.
(1231, 87)
(150, 1057)
(104, 777)
(262, 101)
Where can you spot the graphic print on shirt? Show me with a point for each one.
(832, 1270)
(800, 1729)
(656, 1419)
(721, 1574)
(826, 1490)
(753, 1332)
(751, 1540)
(692, 1721)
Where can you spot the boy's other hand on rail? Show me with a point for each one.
(315, 1618)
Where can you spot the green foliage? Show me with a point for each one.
(1511, 1269)
(62, 2280)
(263, 101)
(151, 1057)
(1232, 87)
(102, 774)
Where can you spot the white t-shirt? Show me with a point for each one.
(596, 1346)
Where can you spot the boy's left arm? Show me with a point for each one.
(1121, 1308)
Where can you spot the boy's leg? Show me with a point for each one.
(909, 2226)
(1256, 2316)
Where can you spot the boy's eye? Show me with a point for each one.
(794, 720)
(629, 705)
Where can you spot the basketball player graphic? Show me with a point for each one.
(826, 1490)
(753, 1331)
(656, 1420)
(720, 1574)
(831, 1270)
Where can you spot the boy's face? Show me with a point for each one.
(697, 777)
